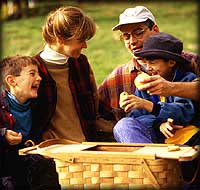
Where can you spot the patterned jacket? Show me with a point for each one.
(84, 92)
(7, 121)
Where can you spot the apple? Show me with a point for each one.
(139, 78)
(123, 96)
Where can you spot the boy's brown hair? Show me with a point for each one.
(13, 65)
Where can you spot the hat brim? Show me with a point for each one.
(132, 21)
(161, 54)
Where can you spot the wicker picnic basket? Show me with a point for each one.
(116, 165)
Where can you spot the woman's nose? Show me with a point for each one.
(84, 44)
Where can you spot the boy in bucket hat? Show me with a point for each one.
(146, 122)
(162, 55)
(136, 25)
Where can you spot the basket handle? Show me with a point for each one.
(29, 143)
(56, 141)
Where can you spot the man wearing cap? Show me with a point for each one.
(136, 25)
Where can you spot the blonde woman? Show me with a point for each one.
(67, 100)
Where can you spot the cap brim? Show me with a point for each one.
(155, 53)
(132, 21)
(117, 27)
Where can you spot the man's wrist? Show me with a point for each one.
(174, 88)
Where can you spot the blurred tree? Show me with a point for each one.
(4, 9)
(17, 9)
(14, 9)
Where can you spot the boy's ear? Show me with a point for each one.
(172, 63)
(10, 80)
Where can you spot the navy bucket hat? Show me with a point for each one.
(162, 46)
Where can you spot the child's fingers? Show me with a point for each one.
(10, 132)
(177, 126)
(168, 133)
(170, 121)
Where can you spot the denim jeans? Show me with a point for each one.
(130, 130)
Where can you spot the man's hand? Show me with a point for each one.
(156, 85)
(168, 128)
(12, 137)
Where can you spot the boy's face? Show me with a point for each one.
(26, 85)
(160, 67)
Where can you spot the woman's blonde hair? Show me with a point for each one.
(67, 23)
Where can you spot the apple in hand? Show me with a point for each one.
(138, 80)
(123, 96)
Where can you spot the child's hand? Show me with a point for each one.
(12, 137)
(132, 102)
(168, 128)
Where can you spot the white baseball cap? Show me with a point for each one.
(134, 15)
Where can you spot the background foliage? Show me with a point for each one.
(105, 51)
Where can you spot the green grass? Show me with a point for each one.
(105, 51)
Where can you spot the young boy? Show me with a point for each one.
(162, 55)
(20, 83)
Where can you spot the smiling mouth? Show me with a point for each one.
(35, 87)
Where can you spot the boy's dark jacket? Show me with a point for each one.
(182, 110)
(29, 165)
(7, 121)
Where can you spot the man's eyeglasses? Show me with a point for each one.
(137, 34)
